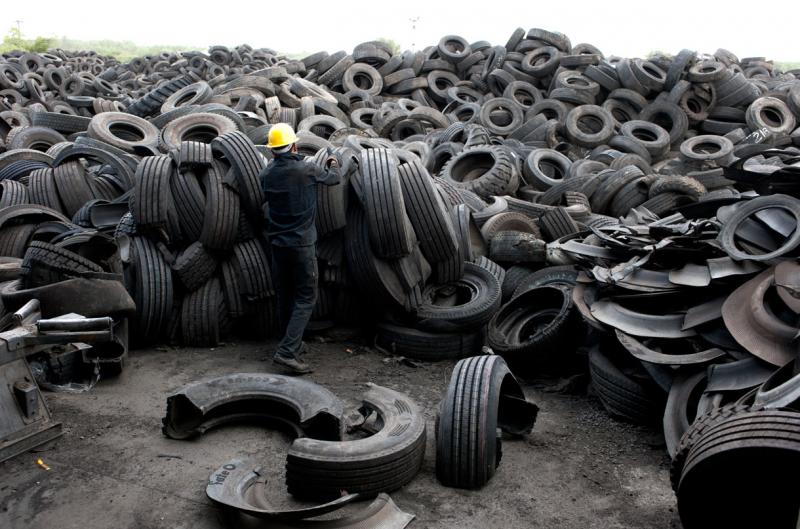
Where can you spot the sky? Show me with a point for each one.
(625, 28)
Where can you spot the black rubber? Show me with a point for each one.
(221, 211)
(73, 186)
(557, 223)
(151, 202)
(621, 395)
(247, 163)
(152, 290)
(194, 266)
(537, 330)
(426, 211)
(479, 298)
(482, 396)
(45, 263)
(517, 247)
(487, 171)
(382, 462)
(201, 315)
(389, 227)
(428, 346)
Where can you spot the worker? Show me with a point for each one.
(289, 183)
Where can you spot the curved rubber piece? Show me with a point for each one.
(241, 485)
(205, 404)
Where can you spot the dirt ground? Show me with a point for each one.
(579, 469)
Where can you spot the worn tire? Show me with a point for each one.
(382, 462)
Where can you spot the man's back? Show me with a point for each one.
(289, 185)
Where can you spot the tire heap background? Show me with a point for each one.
(460, 163)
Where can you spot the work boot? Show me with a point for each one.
(294, 365)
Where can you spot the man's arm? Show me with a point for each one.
(329, 176)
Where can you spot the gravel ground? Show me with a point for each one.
(579, 469)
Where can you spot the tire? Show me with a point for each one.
(247, 163)
(382, 462)
(772, 114)
(12, 193)
(73, 186)
(509, 221)
(151, 202)
(194, 266)
(427, 213)
(653, 138)
(377, 279)
(389, 227)
(498, 104)
(608, 189)
(254, 271)
(198, 126)
(561, 276)
(427, 346)
(557, 223)
(664, 203)
(355, 75)
(747, 446)
(537, 330)
(201, 314)
(545, 168)
(151, 289)
(683, 185)
(194, 94)
(36, 138)
(517, 247)
(589, 126)
(632, 194)
(717, 150)
(670, 117)
(190, 202)
(220, 222)
(487, 171)
(495, 269)
(61, 122)
(332, 200)
(194, 155)
(484, 298)
(622, 396)
(123, 131)
(516, 277)
(46, 263)
(468, 446)
(14, 240)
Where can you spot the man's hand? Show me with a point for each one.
(331, 162)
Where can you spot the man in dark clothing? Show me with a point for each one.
(289, 184)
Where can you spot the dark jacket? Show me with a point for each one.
(289, 183)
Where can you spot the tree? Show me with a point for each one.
(14, 41)
(393, 45)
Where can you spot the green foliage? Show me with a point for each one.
(13, 41)
(123, 51)
(786, 66)
(393, 45)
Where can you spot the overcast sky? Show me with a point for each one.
(627, 28)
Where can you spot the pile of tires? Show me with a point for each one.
(462, 163)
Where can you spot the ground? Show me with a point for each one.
(579, 469)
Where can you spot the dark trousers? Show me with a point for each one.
(294, 274)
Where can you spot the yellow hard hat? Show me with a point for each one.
(281, 135)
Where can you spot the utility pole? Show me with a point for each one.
(413, 21)
(19, 29)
